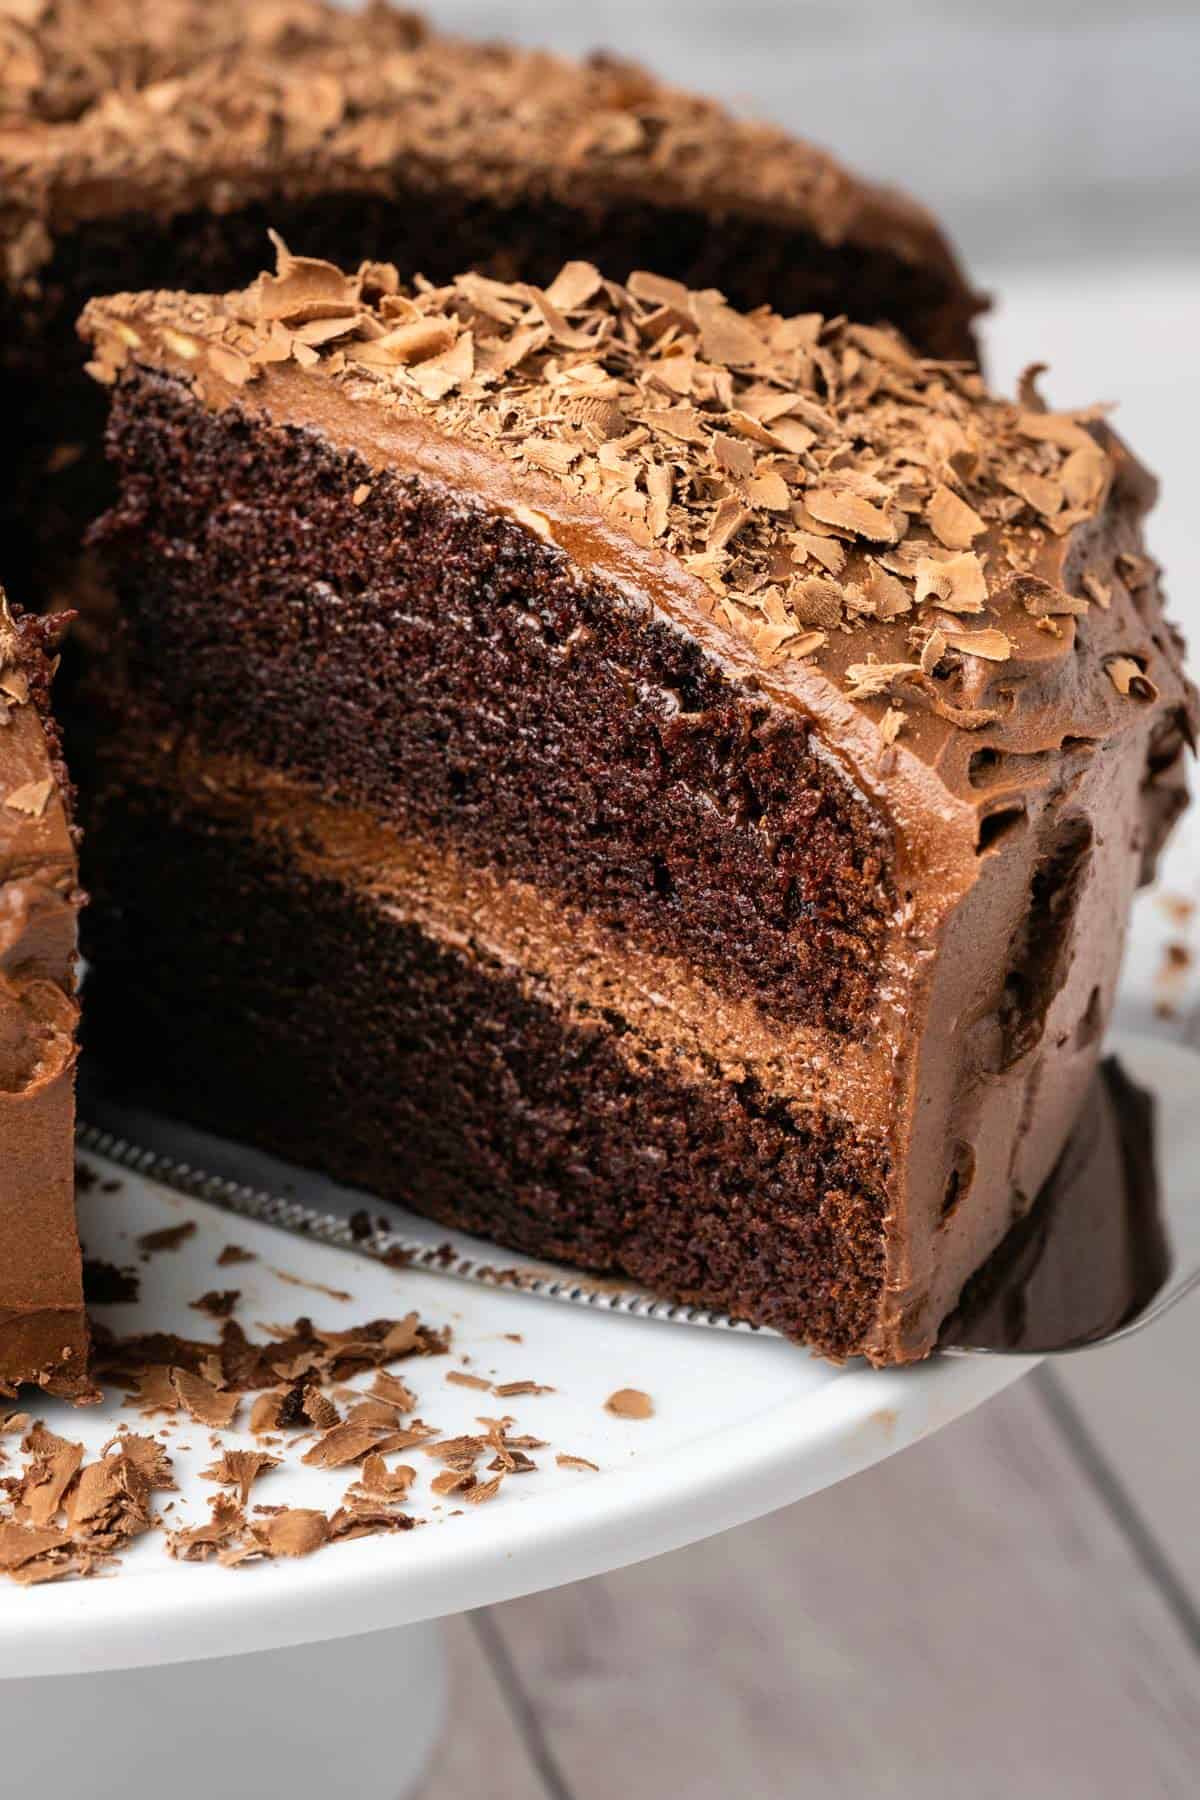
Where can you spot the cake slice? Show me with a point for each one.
(151, 146)
(659, 786)
(43, 1327)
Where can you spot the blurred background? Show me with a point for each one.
(1014, 1606)
(1039, 131)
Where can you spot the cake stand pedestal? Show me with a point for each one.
(361, 1716)
(323, 1675)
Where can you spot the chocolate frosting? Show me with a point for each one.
(43, 1328)
(213, 103)
(951, 589)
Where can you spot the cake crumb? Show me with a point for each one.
(169, 1237)
(630, 1403)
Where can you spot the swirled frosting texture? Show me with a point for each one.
(43, 1330)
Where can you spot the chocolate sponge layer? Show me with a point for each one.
(443, 667)
(231, 987)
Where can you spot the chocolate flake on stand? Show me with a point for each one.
(218, 1303)
(69, 1517)
(1130, 678)
(233, 1254)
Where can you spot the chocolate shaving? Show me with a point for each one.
(233, 1254)
(240, 1469)
(1130, 678)
(296, 1531)
(106, 1285)
(630, 1403)
(346, 1443)
(200, 1543)
(169, 1237)
(217, 1303)
(202, 1400)
(993, 645)
(71, 1518)
(392, 1391)
(31, 798)
(319, 1409)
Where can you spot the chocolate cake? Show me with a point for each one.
(656, 785)
(43, 1328)
(152, 146)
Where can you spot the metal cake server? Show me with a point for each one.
(1065, 1286)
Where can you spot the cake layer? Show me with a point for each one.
(415, 653)
(342, 1036)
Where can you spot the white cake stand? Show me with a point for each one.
(326, 1675)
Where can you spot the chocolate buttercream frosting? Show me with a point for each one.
(43, 1327)
(945, 592)
(194, 104)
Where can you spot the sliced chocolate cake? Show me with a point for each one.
(43, 1329)
(152, 146)
(656, 785)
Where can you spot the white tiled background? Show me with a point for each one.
(1013, 1607)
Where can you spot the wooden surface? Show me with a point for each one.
(1012, 1607)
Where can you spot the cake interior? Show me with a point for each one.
(437, 663)
(63, 483)
(339, 701)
